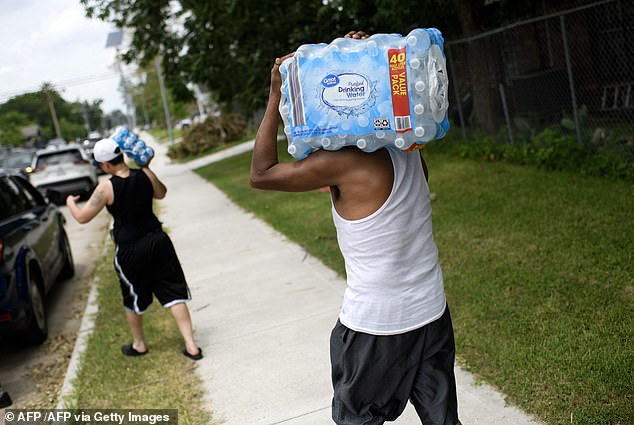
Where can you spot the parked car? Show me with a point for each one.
(34, 255)
(89, 143)
(56, 143)
(60, 171)
(183, 124)
(17, 160)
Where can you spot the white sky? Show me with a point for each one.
(52, 41)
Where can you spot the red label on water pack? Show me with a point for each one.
(398, 83)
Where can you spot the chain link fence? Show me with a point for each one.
(573, 69)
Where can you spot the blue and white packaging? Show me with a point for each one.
(385, 90)
(132, 146)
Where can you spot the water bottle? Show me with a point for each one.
(132, 146)
(383, 91)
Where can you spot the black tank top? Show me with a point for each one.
(132, 207)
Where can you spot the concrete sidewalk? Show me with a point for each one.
(263, 310)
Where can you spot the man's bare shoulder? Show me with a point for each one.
(103, 192)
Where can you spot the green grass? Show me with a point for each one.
(163, 379)
(215, 149)
(539, 273)
(162, 135)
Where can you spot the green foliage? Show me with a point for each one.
(229, 45)
(32, 105)
(72, 130)
(568, 122)
(33, 108)
(214, 132)
(10, 124)
(551, 149)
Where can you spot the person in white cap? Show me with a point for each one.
(145, 259)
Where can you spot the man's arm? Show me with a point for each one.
(319, 169)
(160, 190)
(98, 200)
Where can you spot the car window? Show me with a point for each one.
(32, 195)
(18, 160)
(6, 207)
(13, 201)
(58, 158)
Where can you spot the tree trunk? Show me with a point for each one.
(482, 83)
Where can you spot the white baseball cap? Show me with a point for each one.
(106, 150)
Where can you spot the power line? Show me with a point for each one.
(62, 84)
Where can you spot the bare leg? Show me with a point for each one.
(184, 323)
(135, 321)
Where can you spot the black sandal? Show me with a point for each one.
(128, 350)
(193, 356)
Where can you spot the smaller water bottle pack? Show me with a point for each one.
(132, 146)
(386, 90)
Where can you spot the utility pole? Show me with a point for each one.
(168, 119)
(86, 117)
(51, 107)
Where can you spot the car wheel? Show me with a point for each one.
(37, 331)
(68, 270)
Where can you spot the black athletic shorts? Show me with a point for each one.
(150, 267)
(374, 376)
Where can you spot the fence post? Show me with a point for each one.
(506, 113)
(456, 93)
(571, 82)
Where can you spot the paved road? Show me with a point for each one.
(33, 375)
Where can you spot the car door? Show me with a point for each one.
(28, 223)
(44, 228)
(11, 239)
(12, 236)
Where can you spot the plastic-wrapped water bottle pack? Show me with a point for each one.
(385, 90)
(132, 146)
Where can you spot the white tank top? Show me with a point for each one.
(394, 279)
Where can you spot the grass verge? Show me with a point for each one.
(214, 149)
(539, 272)
(161, 135)
(163, 379)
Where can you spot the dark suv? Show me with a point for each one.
(34, 254)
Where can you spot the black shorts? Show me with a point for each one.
(150, 267)
(374, 376)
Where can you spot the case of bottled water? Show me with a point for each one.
(132, 146)
(385, 90)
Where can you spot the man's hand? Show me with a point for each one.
(71, 200)
(147, 164)
(357, 35)
(276, 77)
